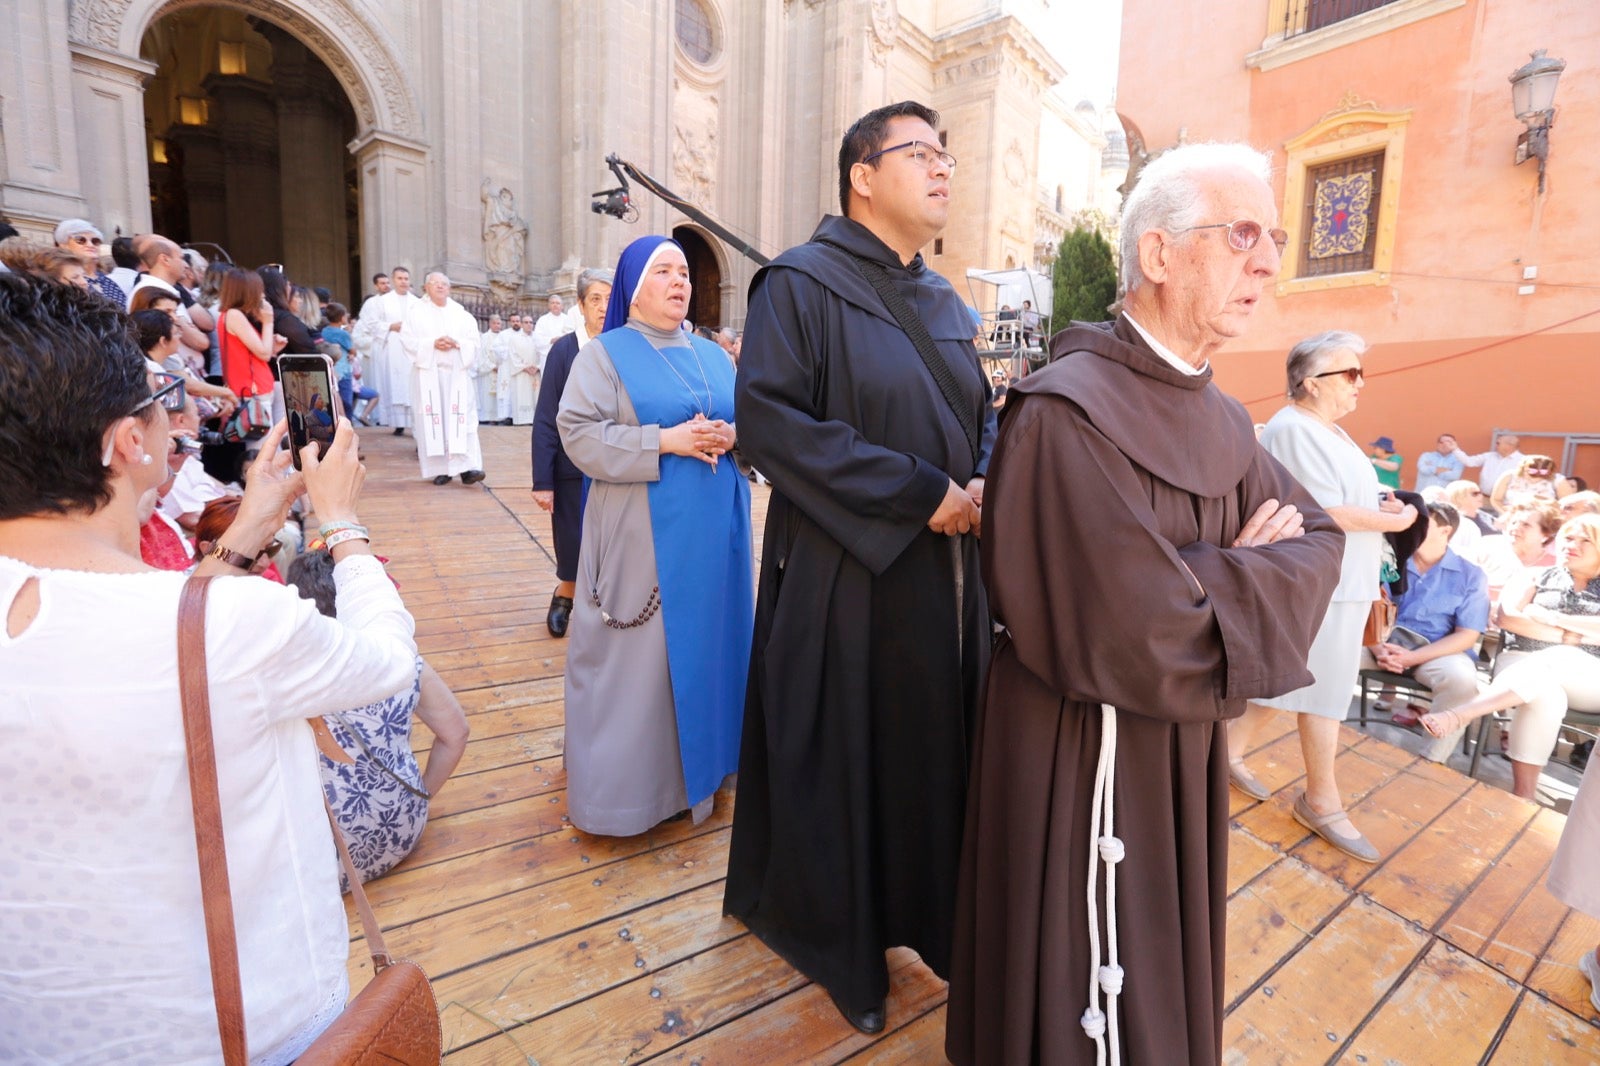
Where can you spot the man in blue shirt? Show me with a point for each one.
(1444, 611)
(1439, 468)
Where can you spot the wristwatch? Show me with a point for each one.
(231, 557)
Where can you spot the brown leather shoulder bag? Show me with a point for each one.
(395, 1018)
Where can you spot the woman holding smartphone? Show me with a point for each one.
(103, 952)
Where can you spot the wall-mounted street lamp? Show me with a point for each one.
(1533, 95)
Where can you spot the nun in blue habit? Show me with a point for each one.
(660, 632)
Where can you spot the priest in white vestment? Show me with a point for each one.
(440, 338)
(391, 367)
(552, 325)
(361, 330)
(492, 351)
(520, 394)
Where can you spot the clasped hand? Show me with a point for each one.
(700, 438)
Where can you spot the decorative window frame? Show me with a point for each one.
(704, 75)
(1277, 50)
(1355, 128)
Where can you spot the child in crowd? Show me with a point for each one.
(345, 368)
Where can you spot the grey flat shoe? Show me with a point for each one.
(1246, 782)
(1357, 847)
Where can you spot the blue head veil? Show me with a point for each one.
(631, 265)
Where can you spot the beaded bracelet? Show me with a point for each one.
(341, 536)
(329, 528)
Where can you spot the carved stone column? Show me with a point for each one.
(311, 155)
(205, 182)
(39, 160)
(247, 123)
(393, 178)
(108, 101)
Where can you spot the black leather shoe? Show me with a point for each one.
(868, 1021)
(560, 614)
(472, 477)
(399, 431)
(442, 479)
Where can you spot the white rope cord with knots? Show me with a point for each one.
(1104, 847)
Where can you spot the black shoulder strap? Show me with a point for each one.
(911, 323)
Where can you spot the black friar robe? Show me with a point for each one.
(1113, 472)
(871, 631)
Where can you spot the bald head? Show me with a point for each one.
(159, 256)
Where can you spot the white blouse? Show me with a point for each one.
(102, 938)
(1337, 473)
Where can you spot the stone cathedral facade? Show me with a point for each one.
(343, 137)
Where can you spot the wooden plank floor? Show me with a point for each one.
(548, 946)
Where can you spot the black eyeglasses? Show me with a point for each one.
(922, 153)
(1352, 374)
(84, 238)
(1244, 234)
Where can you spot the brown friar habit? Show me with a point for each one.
(1112, 473)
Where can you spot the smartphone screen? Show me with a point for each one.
(311, 401)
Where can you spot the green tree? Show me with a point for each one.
(1085, 280)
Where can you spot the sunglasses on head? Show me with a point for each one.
(1244, 234)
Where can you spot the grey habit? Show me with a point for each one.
(624, 770)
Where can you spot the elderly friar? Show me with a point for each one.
(441, 338)
(1154, 568)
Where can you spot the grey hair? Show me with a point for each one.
(592, 277)
(1311, 355)
(1169, 195)
(429, 276)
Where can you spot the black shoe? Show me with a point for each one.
(560, 614)
(399, 431)
(1580, 753)
(472, 477)
(868, 1021)
(505, 422)
(442, 479)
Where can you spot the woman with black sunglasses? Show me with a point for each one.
(103, 945)
(1325, 381)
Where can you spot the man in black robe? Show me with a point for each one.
(1154, 568)
(871, 631)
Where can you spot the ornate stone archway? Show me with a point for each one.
(390, 146)
(376, 84)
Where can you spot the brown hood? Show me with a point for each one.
(1178, 426)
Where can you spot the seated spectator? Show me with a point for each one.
(1551, 658)
(157, 333)
(1467, 498)
(1585, 501)
(22, 256)
(380, 798)
(164, 269)
(125, 270)
(1442, 466)
(357, 399)
(1533, 480)
(216, 517)
(1386, 462)
(1526, 531)
(103, 952)
(1438, 621)
(162, 544)
(85, 242)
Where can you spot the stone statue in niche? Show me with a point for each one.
(505, 236)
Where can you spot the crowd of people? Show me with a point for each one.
(932, 736)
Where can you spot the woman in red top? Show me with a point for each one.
(246, 339)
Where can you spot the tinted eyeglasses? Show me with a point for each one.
(168, 393)
(1352, 374)
(921, 152)
(84, 238)
(1244, 234)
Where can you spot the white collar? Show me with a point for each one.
(1167, 353)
